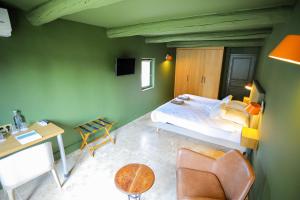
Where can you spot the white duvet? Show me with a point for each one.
(194, 115)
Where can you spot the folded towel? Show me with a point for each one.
(184, 97)
(177, 101)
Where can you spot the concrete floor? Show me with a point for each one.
(93, 178)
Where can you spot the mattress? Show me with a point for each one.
(194, 115)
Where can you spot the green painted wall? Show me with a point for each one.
(64, 72)
(277, 161)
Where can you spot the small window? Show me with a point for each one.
(147, 73)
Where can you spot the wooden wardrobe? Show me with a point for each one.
(198, 71)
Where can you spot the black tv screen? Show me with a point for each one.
(125, 66)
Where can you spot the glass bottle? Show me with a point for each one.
(17, 119)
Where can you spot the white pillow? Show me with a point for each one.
(236, 116)
(238, 105)
(217, 110)
(227, 99)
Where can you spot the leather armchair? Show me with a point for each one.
(200, 177)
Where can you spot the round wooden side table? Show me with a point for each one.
(134, 179)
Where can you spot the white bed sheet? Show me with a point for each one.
(194, 115)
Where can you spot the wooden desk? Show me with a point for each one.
(11, 145)
(134, 179)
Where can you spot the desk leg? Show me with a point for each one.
(62, 155)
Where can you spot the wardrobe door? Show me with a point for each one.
(181, 72)
(196, 69)
(213, 60)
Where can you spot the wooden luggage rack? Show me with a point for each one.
(92, 127)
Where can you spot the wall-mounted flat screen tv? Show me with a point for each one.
(125, 66)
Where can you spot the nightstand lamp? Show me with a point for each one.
(253, 108)
(248, 86)
(250, 138)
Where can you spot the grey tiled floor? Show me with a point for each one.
(93, 178)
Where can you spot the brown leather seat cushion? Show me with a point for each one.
(196, 185)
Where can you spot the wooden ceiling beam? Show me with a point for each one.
(209, 43)
(55, 9)
(227, 35)
(253, 19)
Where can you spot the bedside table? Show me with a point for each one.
(250, 138)
(246, 100)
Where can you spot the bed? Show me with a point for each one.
(193, 119)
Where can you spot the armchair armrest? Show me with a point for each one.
(193, 160)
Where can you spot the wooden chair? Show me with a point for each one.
(21, 167)
(91, 128)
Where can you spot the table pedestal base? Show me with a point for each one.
(134, 196)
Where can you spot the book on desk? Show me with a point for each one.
(28, 137)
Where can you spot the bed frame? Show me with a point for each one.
(257, 95)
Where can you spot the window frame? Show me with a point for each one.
(152, 73)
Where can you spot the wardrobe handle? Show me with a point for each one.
(187, 78)
(204, 79)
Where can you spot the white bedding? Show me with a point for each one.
(194, 115)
